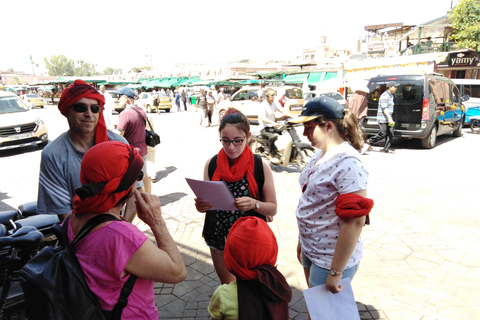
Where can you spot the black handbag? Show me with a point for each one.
(151, 137)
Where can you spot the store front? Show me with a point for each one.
(463, 64)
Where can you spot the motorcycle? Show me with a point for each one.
(22, 234)
(290, 149)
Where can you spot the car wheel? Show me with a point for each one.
(167, 110)
(458, 131)
(149, 109)
(475, 126)
(429, 141)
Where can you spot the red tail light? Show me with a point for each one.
(282, 101)
(426, 109)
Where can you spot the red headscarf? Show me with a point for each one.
(80, 89)
(107, 172)
(250, 244)
(244, 163)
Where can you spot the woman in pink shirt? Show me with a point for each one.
(115, 250)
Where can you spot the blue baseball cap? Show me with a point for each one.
(392, 84)
(126, 91)
(327, 107)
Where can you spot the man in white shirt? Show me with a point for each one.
(266, 119)
(107, 108)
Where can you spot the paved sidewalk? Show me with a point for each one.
(421, 255)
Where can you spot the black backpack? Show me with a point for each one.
(54, 283)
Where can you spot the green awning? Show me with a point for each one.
(180, 82)
(330, 75)
(168, 83)
(315, 77)
(250, 81)
(295, 78)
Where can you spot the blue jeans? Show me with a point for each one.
(318, 276)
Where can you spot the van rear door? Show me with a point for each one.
(408, 102)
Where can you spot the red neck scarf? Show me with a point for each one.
(80, 89)
(244, 163)
(107, 173)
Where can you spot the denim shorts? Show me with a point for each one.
(318, 276)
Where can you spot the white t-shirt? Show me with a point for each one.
(108, 109)
(266, 110)
(340, 171)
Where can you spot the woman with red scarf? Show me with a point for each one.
(235, 165)
(115, 250)
(333, 206)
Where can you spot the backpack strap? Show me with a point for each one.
(123, 300)
(257, 171)
(92, 223)
(127, 288)
(259, 174)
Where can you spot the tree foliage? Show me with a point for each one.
(84, 69)
(109, 71)
(466, 24)
(60, 66)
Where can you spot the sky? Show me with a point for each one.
(120, 34)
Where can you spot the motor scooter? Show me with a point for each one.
(291, 149)
(22, 234)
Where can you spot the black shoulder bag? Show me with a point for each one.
(151, 137)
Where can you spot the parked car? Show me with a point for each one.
(145, 100)
(470, 87)
(425, 106)
(332, 94)
(32, 100)
(116, 106)
(19, 126)
(245, 100)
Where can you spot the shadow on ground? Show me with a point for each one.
(164, 173)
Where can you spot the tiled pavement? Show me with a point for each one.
(421, 253)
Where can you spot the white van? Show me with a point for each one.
(470, 87)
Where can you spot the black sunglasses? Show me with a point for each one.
(82, 107)
(140, 176)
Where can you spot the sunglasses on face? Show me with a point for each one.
(82, 107)
(140, 176)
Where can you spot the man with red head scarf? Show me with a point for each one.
(82, 105)
(260, 291)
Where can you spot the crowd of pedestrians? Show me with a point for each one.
(90, 170)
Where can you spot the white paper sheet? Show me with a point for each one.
(324, 305)
(215, 192)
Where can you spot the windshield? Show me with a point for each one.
(32, 96)
(295, 93)
(11, 104)
(334, 95)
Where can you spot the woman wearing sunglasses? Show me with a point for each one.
(115, 250)
(333, 206)
(235, 164)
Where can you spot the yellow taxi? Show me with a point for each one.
(32, 100)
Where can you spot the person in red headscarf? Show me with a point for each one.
(116, 249)
(82, 105)
(235, 165)
(260, 291)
